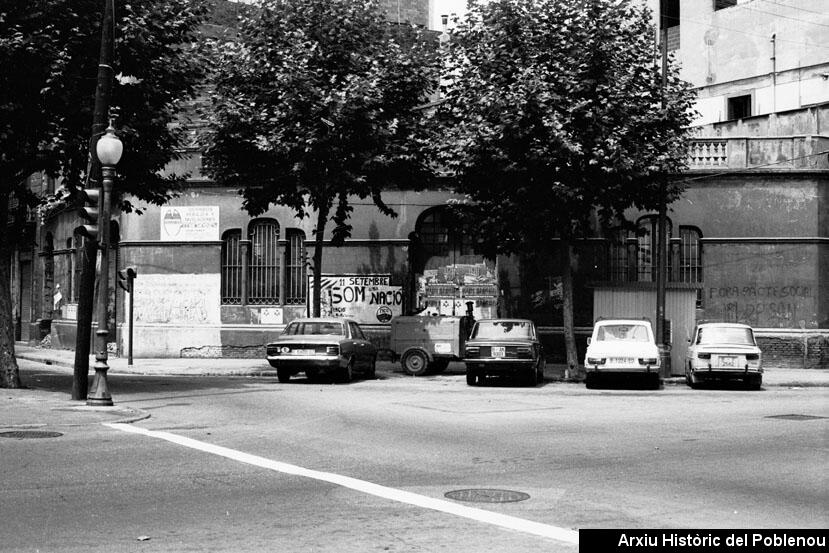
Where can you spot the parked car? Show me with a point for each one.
(336, 347)
(724, 351)
(622, 347)
(504, 346)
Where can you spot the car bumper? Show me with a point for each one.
(297, 363)
(500, 365)
(718, 373)
(604, 369)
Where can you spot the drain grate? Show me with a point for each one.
(29, 434)
(795, 417)
(487, 496)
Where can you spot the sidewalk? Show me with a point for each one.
(260, 367)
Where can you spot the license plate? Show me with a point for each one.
(726, 361)
(302, 352)
(499, 352)
(621, 360)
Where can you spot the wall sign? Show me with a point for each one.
(369, 299)
(190, 223)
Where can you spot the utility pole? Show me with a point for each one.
(89, 252)
(662, 237)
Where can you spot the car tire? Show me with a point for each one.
(346, 374)
(313, 375)
(283, 375)
(653, 381)
(472, 377)
(540, 373)
(531, 378)
(754, 382)
(591, 380)
(371, 373)
(415, 362)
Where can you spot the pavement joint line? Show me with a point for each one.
(565, 535)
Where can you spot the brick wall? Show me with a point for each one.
(795, 351)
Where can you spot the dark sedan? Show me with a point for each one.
(504, 347)
(336, 347)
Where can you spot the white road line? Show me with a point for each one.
(513, 523)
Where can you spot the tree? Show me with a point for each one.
(49, 54)
(314, 104)
(554, 115)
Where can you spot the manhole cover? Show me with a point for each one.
(487, 496)
(795, 417)
(27, 434)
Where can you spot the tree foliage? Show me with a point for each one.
(554, 114)
(314, 103)
(554, 110)
(49, 54)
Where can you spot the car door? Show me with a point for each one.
(363, 348)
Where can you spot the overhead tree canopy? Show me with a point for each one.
(49, 54)
(314, 104)
(554, 113)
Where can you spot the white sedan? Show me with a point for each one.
(622, 347)
(724, 351)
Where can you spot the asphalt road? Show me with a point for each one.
(248, 464)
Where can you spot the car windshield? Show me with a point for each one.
(625, 332)
(504, 330)
(725, 335)
(322, 328)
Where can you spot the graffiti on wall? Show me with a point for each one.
(365, 298)
(177, 299)
(781, 306)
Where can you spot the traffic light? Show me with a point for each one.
(125, 278)
(89, 212)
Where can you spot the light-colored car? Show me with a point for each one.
(619, 347)
(336, 347)
(724, 351)
(504, 346)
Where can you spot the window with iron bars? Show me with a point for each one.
(263, 268)
(296, 280)
(232, 267)
(690, 258)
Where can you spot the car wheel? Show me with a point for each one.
(591, 380)
(312, 374)
(472, 377)
(653, 381)
(371, 373)
(540, 374)
(283, 375)
(754, 382)
(531, 378)
(347, 373)
(415, 362)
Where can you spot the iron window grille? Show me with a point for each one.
(296, 280)
(263, 269)
(232, 267)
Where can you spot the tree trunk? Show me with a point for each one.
(319, 235)
(9, 371)
(572, 372)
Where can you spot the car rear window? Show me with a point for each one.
(725, 335)
(304, 328)
(626, 332)
(504, 330)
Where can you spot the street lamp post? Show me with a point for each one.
(109, 149)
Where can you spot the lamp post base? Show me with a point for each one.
(99, 394)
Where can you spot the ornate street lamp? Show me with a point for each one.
(109, 149)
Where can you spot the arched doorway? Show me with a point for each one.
(449, 277)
